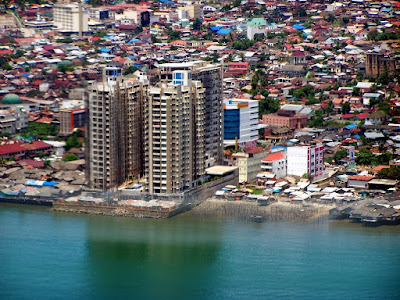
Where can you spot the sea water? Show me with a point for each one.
(53, 255)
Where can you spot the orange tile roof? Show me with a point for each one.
(274, 156)
(361, 177)
(378, 168)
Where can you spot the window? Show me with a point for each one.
(178, 75)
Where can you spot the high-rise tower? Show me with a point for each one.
(211, 78)
(114, 134)
(174, 134)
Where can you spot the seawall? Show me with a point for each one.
(248, 210)
(115, 211)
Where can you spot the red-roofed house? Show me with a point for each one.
(298, 57)
(32, 163)
(359, 181)
(237, 69)
(275, 163)
(19, 149)
(376, 169)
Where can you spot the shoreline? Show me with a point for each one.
(211, 207)
(276, 211)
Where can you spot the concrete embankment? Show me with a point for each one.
(248, 210)
(115, 211)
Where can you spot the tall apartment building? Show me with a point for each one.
(377, 63)
(70, 18)
(211, 77)
(114, 132)
(175, 134)
(240, 121)
(305, 159)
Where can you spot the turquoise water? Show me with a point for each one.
(49, 255)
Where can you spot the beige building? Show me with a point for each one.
(70, 18)
(7, 21)
(211, 77)
(194, 11)
(114, 133)
(174, 135)
(249, 163)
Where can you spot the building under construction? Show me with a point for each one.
(114, 131)
(379, 63)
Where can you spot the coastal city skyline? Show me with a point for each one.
(199, 149)
(182, 100)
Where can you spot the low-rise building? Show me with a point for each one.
(13, 120)
(275, 163)
(19, 149)
(359, 181)
(286, 118)
(249, 163)
(71, 119)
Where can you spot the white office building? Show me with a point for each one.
(240, 121)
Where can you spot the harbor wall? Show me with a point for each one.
(115, 211)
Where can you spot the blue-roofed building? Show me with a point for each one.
(351, 126)
(215, 28)
(299, 27)
(224, 31)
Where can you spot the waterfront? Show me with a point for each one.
(47, 255)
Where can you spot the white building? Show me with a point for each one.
(70, 18)
(305, 159)
(240, 121)
(275, 163)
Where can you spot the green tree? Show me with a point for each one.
(70, 157)
(267, 106)
(393, 172)
(364, 157)
(6, 134)
(236, 3)
(339, 155)
(360, 76)
(384, 78)
(130, 70)
(329, 107)
(356, 92)
(226, 8)
(72, 142)
(317, 120)
(173, 35)
(243, 44)
(346, 108)
(65, 68)
(197, 25)
(301, 12)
